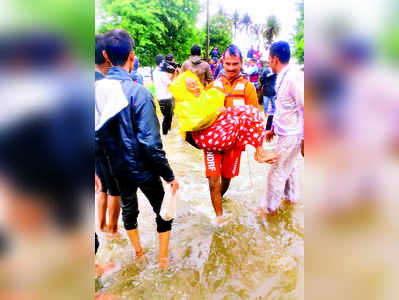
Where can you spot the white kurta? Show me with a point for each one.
(282, 181)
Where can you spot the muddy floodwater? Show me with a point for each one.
(248, 258)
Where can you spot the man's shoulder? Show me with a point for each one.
(204, 64)
(143, 91)
(266, 71)
(137, 93)
(249, 86)
(243, 78)
(294, 74)
(98, 75)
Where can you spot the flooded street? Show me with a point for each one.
(248, 258)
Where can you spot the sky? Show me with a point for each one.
(285, 10)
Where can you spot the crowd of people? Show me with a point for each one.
(129, 151)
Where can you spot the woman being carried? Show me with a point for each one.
(205, 121)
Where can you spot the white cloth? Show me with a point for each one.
(110, 100)
(289, 116)
(282, 180)
(161, 83)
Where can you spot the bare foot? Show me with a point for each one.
(101, 269)
(220, 220)
(261, 212)
(164, 263)
(141, 259)
(104, 296)
(290, 202)
(272, 212)
(140, 253)
(265, 212)
(103, 228)
(111, 235)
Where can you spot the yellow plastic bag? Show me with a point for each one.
(195, 113)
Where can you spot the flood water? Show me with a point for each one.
(248, 258)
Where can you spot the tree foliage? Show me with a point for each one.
(246, 22)
(220, 33)
(157, 26)
(272, 29)
(235, 20)
(299, 36)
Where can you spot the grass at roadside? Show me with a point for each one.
(151, 88)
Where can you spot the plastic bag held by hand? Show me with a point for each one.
(169, 204)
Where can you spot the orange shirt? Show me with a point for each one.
(239, 93)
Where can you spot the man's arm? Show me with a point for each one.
(299, 92)
(148, 135)
(296, 90)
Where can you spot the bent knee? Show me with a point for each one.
(162, 225)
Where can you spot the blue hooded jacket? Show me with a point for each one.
(127, 129)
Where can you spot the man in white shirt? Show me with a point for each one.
(162, 79)
(282, 181)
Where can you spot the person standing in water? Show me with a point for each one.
(282, 180)
(221, 167)
(127, 130)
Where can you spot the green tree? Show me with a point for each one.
(157, 26)
(271, 30)
(299, 36)
(246, 22)
(388, 37)
(235, 20)
(220, 34)
(257, 30)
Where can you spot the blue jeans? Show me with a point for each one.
(266, 100)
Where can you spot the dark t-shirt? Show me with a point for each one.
(268, 82)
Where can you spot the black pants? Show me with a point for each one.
(103, 171)
(96, 243)
(154, 192)
(166, 106)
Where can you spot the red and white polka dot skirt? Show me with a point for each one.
(237, 126)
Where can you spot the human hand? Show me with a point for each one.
(269, 135)
(174, 185)
(269, 157)
(222, 109)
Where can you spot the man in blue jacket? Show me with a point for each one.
(127, 129)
